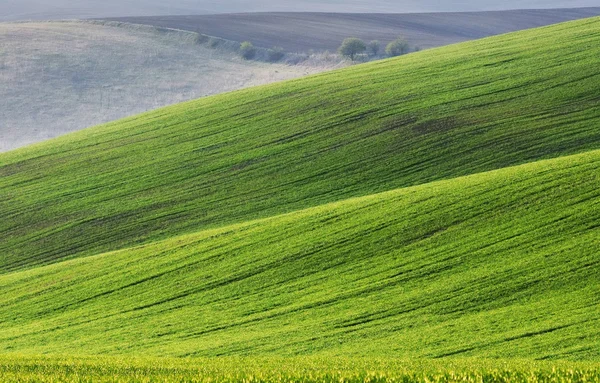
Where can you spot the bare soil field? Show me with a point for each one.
(301, 32)
(59, 77)
(12, 10)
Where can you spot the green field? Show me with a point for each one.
(498, 264)
(251, 154)
(369, 224)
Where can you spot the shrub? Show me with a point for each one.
(352, 47)
(275, 54)
(247, 50)
(373, 48)
(397, 47)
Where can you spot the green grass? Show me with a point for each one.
(373, 224)
(252, 154)
(24, 369)
(502, 264)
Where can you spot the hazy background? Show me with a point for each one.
(302, 32)
(59, 77)
(60, 9)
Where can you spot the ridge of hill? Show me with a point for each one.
(497, 264)
(12, 10)
(305, 31)
(255, 153)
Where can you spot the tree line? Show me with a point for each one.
(353, 47)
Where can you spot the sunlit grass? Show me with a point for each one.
(298, 369)
(498, 264)
(320, 227)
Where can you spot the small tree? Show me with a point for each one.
(247, 50)
(397, 47)
(352, 47)
(373, 48)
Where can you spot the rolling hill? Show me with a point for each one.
(302, 32)
(429, 218)
(60, 77)
(260, 152)
(107, 70)
(497, 264)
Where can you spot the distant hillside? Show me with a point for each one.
(60, 77)
(275, 149)
(11, 10)
(301, 32)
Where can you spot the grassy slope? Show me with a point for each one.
(437, 114)
(497, 264)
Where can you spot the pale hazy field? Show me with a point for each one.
(60, 9)
(64, 76)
